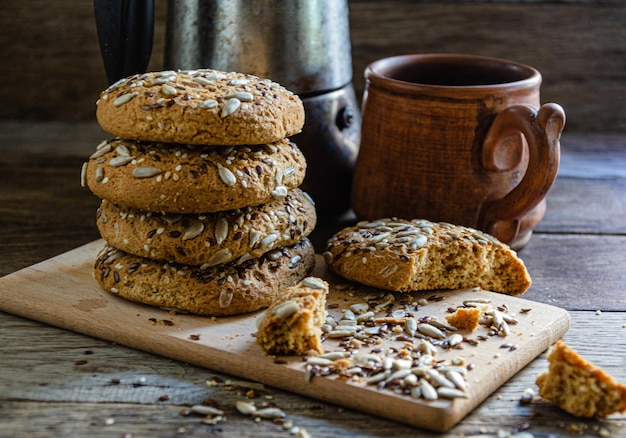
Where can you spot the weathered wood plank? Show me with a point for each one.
(49, 394)
(578, 272)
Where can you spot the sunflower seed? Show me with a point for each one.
(208, 104)
(203, 81)
(193, 231)
(439, 379)
(343, 333)
(220, 257)
(442, 325)
(430, 330)
(243, 96)
(255, 235)
(285, 309)
(168, 90)
(122, 150)
(221, 230)
(457, 379)
(410, 326)
(367, 316)
(124, 98)
(335, 355)
(206, 410)
(319, 361)
(313, 283)
(83, 175)
(455, 339)
(99, 174)
(172, 218)
(145, 172)
(428, 391)
(280, 192)
(226, 175)
(230, 107)
(101, 151)
(226, 297)
(120, 161)
(238, 81)
(446, 392)
(399, 374)
(376, 378)
(268, 241)
(416, 392)
(267, 413)
(245, 408)
(419, 241)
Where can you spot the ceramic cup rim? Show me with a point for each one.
(380, 73)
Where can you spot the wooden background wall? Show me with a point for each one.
(51, 67)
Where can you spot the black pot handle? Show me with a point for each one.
(125, 32)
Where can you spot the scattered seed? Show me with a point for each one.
(245, 408)
(446, 392)
(428, 391)
(527, 395)
(206, 410)
(269, 413)
(430, 330)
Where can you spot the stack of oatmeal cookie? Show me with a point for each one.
(201, 210)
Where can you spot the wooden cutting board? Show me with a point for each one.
(62, 292)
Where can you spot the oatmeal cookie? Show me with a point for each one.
(204, 107)
(212, 238)
(222, 290)
(171, 178)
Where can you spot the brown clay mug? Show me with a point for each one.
(459, 139)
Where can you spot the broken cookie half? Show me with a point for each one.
(292, 325)
(578, 386)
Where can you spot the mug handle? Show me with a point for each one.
(503, 150)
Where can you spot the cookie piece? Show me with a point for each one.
(465, 318)
(170, 178)
(208, 239)
(204, 107)
(222, 290)
(293, 324)
(579, 387)
(412, 255)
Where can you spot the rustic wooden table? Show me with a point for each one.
(58, 383)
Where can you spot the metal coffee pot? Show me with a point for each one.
(302, 44)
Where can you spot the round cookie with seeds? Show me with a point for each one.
(223, 290)
(412, 255)
(205, 107)
(208, 239)
(173, 178)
